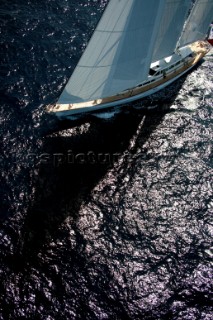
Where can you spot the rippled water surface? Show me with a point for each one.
(109, 216)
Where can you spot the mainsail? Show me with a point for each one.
(119, 53)
(198, 22)
(170, 28)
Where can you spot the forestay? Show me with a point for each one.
(170, 28)
(197, 25)
(119, 53)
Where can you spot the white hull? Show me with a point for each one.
(65, 114)
(186, 62)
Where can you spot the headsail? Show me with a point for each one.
(198, 22)
(170, 28)
(119, 53)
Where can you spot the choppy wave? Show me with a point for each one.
(109, 216)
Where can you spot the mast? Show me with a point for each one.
(198, 22)
(119, 54)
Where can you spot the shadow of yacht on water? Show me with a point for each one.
(74, 161)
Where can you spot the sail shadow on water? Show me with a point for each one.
(72, 163)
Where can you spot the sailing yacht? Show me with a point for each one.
(138, 48)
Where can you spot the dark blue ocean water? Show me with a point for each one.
(105, 217)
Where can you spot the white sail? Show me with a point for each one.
(198, 22)
(170, 28)
(119, 53)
